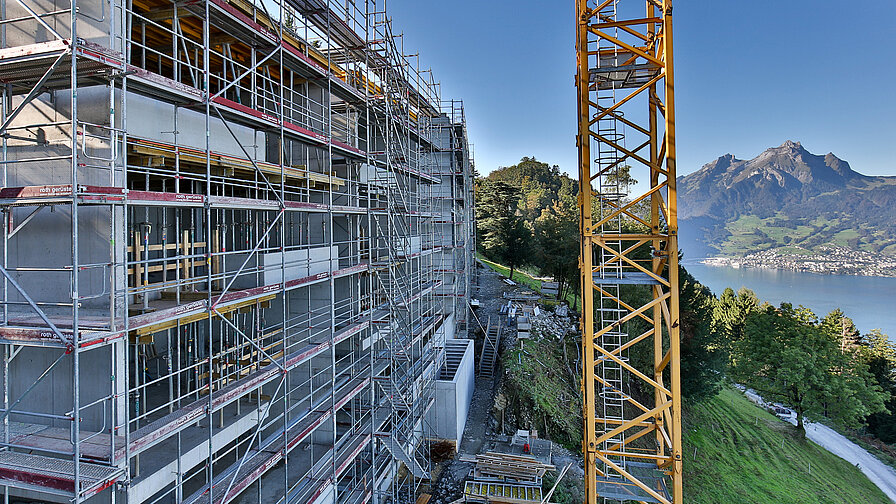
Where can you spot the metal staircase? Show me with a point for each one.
(397, 286)
(489, 356)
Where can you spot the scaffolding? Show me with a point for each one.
(629, 251)
(238, 237)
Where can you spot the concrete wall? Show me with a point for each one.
(46, 242)
(298, 264)
(448, 416)
(158, 120)
(29, 31)
(54, 394)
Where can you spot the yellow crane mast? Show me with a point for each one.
(629, 246)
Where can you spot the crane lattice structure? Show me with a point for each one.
(629, 245)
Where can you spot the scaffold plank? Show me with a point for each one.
(95, 446)
(24, 65)
(221, 302)
(271, 451)
(62, 194)
(157, 431)
(22, 470)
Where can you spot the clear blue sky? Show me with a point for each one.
(749, 75)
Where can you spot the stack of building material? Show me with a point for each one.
(508, 468)
(525, 296)
(506, 478)
(550, 289)
(523, 326)
(484, 492)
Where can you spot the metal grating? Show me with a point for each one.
(50, 472)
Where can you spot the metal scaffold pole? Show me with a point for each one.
(629, 251)
(252, 258)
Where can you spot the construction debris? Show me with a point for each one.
(524, 296)
(554, 324)
(493, 465)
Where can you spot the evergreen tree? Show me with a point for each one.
(557, 240)
(880, 354)
(730, 313)
(841, 325)
(503, 235)
(519, 244)
(704, 355)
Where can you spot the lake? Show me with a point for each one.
(869, 301)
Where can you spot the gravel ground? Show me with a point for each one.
(879, 473)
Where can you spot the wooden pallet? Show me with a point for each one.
(509, 468)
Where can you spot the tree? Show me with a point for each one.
(538, 182)
(557, 240)
(503, 234)
(879, 353)
(841, 325)
(787, 355)
(519, 244)
(622, 177)
(704, 355)
(730, 313)
(495, 204)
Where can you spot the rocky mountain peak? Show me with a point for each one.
(786, 173)
(791, 188)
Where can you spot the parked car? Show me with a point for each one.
(783, 412)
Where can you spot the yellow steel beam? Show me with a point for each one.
(611, 31)
(631, 204)
(589, 449)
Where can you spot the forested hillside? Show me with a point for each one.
(541, 229)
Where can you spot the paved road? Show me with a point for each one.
(879, 473)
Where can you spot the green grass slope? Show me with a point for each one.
(745, 454)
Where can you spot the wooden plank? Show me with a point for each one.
(160, 267)
(196, 317)
(186, 251)
(169, 246)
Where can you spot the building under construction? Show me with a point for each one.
(236, 254)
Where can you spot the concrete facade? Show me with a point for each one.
(238, 253)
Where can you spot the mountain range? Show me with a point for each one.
(788, 200)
